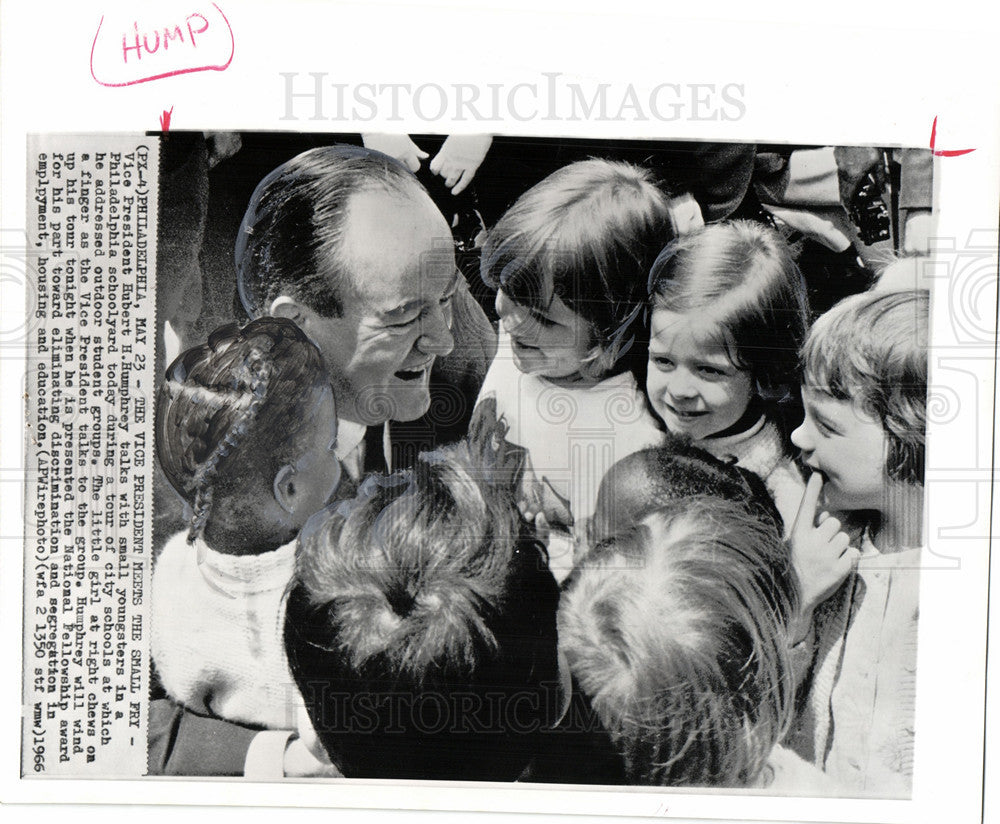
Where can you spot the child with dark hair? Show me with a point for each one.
(865, 397)
(675, 632)
(421, 626)
(569, 262)
(728, 317)
(245, 433)
(646, 480)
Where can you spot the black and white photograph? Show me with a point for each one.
(570, 461)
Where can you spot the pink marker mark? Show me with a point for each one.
(944, 152)
(165, 119)
(127, 51)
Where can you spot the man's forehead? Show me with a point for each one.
(428, 276)
(397, 247)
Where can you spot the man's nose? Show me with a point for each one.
(435, 334)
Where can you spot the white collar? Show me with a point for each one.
(349, 435)
(232, 574)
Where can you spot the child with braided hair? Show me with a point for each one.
(245, 433)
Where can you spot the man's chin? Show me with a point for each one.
(402, 396)
(411, 405)
(405, 404)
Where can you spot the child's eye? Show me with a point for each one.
(822, 426)
(542, 320)
(826, 429)
(662, 363)
(712, 371)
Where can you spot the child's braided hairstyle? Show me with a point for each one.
(230, 410)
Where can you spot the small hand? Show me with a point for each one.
(301, 762)
(543, 531)
(822, 228)
(822, 556)
(398, 146)
(687, 214)
(541, 505)
(459, 159)
(221, 146)
(305, 756)
(917, 232)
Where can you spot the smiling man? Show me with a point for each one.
(345, 242)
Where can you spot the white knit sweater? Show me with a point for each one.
(572, 435)
(217, 627)
(760, 450)
(858, 722)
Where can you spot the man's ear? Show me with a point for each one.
(284, 306)
(285, 491)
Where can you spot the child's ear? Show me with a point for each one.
(284, 306)
(284, 488)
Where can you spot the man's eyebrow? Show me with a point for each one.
(402, 309)
(417, 303)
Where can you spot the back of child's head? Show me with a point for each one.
(646, 480)
(587, 234)
(230, 411)
(676, 633)
(871, 349)
(421, 627)
(742, 281)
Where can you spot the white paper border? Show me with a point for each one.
(844, 73)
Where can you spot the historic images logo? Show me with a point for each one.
(314, 96)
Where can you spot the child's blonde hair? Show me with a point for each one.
(588, 234)
(741, 276)
(872, 349)
(421, 625)
(676, 633)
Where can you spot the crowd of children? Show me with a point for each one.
(685, 527)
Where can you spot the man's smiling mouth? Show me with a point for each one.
(412, 374)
